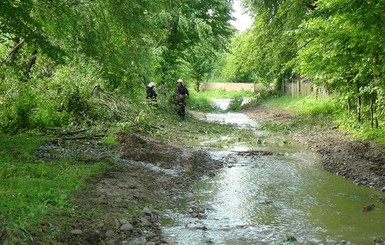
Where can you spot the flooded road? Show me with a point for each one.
(273, 196)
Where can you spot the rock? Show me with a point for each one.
(137, 241)
(123, 221)
(76, 232)
(126, 227)
(147, 211)
(144, 221)
(110, 233)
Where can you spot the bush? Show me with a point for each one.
(62, 99)
(235, 103)
(15, 108)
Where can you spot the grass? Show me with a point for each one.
(322, 112)
(31, 188)
(305, 106)
(311, 112)
(202, 101)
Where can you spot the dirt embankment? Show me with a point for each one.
(362, 162)
(121, 207)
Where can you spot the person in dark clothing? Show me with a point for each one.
(151, 94)
(181, 94)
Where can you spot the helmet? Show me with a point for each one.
(151, 84)
(180, 81)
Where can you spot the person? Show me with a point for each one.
(151, 94)
(181, 94)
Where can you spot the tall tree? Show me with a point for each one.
(195, 26)
(273, 43)
(343, 50)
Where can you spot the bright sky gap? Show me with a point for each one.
(242, 20)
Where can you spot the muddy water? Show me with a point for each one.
(261, 197)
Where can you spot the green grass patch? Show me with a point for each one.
(31, 188)
(221, 93)
(311, 113)
(304, 105)
(201, 102)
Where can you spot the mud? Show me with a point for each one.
(122, 207)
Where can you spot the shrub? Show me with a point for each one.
(235, 103)
(15, 108)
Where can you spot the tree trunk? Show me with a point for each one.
(16, 46)
(198, 86)
(31, 63)
(349, 105)
(359, 102)
(371, 112)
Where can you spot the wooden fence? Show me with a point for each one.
(302, 88)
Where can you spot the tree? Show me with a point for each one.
(343, 50)
(235, 69)
(195, 29)
(272, 43)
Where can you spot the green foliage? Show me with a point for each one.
(58, 53)
(235, 103)
(235, 69)
(201, 102)
(290, 239)
(322, 112)
(16, 106)
(332, 42)
(196, 29)
(54, 102)
(311, 106)
(271, 44)
(31, 188)
(341, 53)
(310, 111)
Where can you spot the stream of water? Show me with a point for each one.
(283, 197)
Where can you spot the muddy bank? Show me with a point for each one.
(359, 161)
(121, 207)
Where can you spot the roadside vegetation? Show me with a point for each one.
(320, 112)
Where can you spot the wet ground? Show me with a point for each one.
(362, 162)
(273, 194)
(155, 176)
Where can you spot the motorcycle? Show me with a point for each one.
(180, 105)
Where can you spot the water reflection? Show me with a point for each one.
(266, 199)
